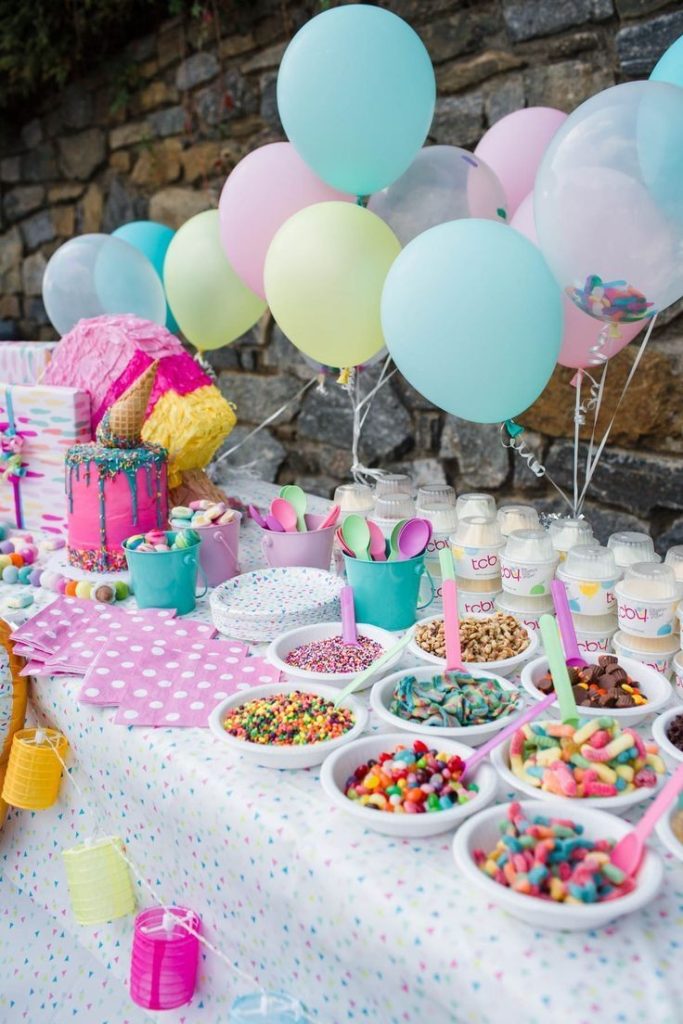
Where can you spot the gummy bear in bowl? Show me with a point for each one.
(496, 643)
(577, 889)
(463, 706)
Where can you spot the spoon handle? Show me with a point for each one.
(481, 752)
(558, 670)
(452, 627)
(348, 616)
(659, 805)
(363, 676)
(446, 564)
(565, 622)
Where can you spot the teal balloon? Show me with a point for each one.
(473, 319)
(356, 94)
(669, 67)
(153, 240)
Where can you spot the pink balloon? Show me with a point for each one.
(264, 190)
(581, 331)
(514, 146)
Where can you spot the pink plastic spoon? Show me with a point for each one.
(348, 616)
(414, 537)
(570, 644)
(331, 518)
(285, 514)
(274, 524)
(378, 547)
(628, 852)
(451, 623)
(342, 543)
(500, 737)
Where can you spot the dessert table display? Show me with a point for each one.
(357, 924)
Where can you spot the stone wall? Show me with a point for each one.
(155, 133)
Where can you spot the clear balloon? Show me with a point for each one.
(585, 340)
(442, 183)
(207, 298)
(609, 204)
(96, 274)
(473, 319)
(514, 146)
(264, 190)
(324, 274)
(153, 240)
(669, 67)
(356, 94)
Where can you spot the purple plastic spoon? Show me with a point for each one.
(414, 538)
(570, 644)
(481, 752)
(274, 524)
(348, 617)
(257, 517)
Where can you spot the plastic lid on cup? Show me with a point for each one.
(674, 558)
(650, 581)
(530, 546)
(591, 562)
(393, 483)
(629, 547)
(354, 498)
(440, 514)
(468, 505)
(567, 533)
(477, 532)
(394, 507)
(443, 493)
(517, 517)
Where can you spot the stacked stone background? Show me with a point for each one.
(154, 134)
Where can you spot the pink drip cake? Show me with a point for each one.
(115, 486)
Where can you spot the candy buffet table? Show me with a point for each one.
(359, 926)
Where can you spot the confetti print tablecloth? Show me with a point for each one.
(360, 926)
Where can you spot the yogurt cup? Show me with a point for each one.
(629, 547)
(590, 574)
(647, 598)
(594, 633)
(517, 517)
(391, 509)
(476, 544)
(527, 563)
(567, 533)
(527, 610)
(656, 652)
(469, 505)
(393, 483)
(476, 604)
(444, 494)
(441, 514)
(677, 664)
(674, 558)
(356, 498)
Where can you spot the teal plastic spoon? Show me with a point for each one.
(356, 534)
(558, 670)
(297, 499)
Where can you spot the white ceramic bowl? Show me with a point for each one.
(482, 832)
(338, 767)
(280, 648)
(659, 730)
(505, 667)
(304, 756)
(654, 685)
(500, 758)
(666, 835)
(473, 735)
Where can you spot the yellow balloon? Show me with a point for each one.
(212, 306)
(324, 274)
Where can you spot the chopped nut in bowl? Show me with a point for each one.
(497, 643)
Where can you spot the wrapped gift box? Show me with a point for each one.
(37, 425)
(24, 362)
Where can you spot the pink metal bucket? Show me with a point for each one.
(219, 551)
(163, 969)
(313, 548)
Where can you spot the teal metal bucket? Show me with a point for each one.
(385, 593)
(165, 579)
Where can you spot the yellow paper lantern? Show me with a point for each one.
(34, 770)
(99, 881)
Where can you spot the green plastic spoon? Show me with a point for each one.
(356, 534)
(394, 553)
(558, 669)
(446, 564)
(297, 499)
(380, 662)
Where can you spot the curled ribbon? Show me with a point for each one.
(11, 466)
(514, 432)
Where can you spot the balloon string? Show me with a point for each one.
(577, 426)
(595, 403)
(101, 832)
(632, 372)
(359, 471)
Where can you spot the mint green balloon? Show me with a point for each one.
(472, 317)
(356, 94)
(669, 67)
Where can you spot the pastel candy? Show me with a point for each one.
(200, 505)
(21, 600)
(25, 574)
(203, 519)
(214, 511)
(6, 547)
(83, 588)
(104, 593)
(227, 517)
(34, 578)
(161, 547)
(179, 524)
(10, 574)
(181, 512)
(122, 590)
(4, 562)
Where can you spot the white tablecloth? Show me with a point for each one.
(361, 927)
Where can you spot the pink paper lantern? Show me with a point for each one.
(163, 969)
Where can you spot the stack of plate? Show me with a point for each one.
(260, 605)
